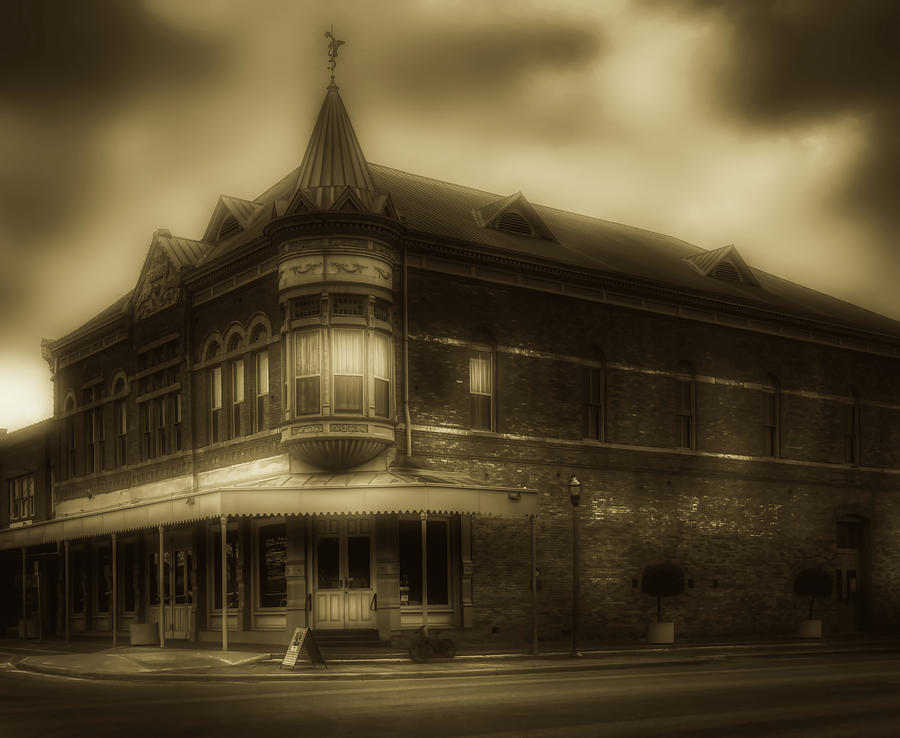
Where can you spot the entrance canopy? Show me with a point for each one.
(346, 493)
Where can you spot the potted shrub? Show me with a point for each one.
(662, 580)
(812, 583)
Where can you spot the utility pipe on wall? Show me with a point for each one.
(407, 417)
(162, 591)
(113, 609)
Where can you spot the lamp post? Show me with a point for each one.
(575, 497)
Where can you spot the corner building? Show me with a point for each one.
(356, 403)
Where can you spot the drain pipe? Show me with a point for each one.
(406, 414)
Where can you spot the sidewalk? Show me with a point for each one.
(244, 662)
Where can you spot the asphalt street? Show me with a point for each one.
(821, 696)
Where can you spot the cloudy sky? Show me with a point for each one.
(769, 124)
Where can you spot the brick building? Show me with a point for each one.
(357, 401)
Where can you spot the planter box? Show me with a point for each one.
(810, 629)
(144, 634)
(661, 633)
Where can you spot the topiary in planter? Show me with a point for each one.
(662, 580)
(813, 583)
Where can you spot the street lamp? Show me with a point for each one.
(575, 497)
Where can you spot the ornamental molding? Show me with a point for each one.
(348, 428)
(385, 275)
(299, 430)
(354, 268)
(158, 288)
(311, 267)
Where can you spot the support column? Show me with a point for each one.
(113, 608)
(66, 576)
(24, 593)
(424, 519)
(223, 522)
(297, 585)
(534, 600)
(160, 574)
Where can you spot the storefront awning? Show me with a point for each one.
(347, 493)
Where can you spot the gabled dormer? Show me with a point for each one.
(724, 263)
(159, 284)
(513, 214)
(230, 217)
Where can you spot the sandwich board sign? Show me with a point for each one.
(301, 638)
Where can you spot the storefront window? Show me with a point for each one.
(272, 556)
(410, 544)
(104, 579)
(78, 579)
(130, 578)
(231, 565)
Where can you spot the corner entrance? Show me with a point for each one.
(343, 566)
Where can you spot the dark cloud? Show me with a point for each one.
(792, 63)
(67, 68)
(438, 67)
(94, 53)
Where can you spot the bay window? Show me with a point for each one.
(348, 359)
(381, 345)
(307, 350)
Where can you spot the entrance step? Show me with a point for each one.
(350, 639)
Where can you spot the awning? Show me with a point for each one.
(347, 493)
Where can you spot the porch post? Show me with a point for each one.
(113, 610)
(424, 518)
(160, 572)
(66, 575)
(223, 522)
(24, 594)
(534, 602)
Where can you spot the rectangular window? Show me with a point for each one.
(348, 305)
(593, 407)
(162, 421)
(101, 438)
(770, 428)
(21, 498)
(437, 566)
(272, 557)
(121, 431)
(481, 390)
(73, 446)
(237, 396)
(381, 346)
(307, 354)
(262, 390)
(231, 565)
(146, 431)
(215, 403)
(91, 440)
(176, 421)
(348, 360)
(851, 435)
(686, 413)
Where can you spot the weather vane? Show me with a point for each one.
(333, 45)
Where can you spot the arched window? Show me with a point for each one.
(595, 396)
(772, 417)
(234, 343)
(482, 372)
(686, 403)
(213, 350)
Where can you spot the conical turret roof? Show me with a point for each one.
(333, 156)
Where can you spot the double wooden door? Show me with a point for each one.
(344, 586)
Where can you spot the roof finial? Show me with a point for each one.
(333, 45)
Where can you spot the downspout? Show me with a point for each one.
(406, 414)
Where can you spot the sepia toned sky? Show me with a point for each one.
(769, 124)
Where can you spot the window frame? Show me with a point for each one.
(687, 408)
(238, 390)
(214, 401)
(482, 353)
